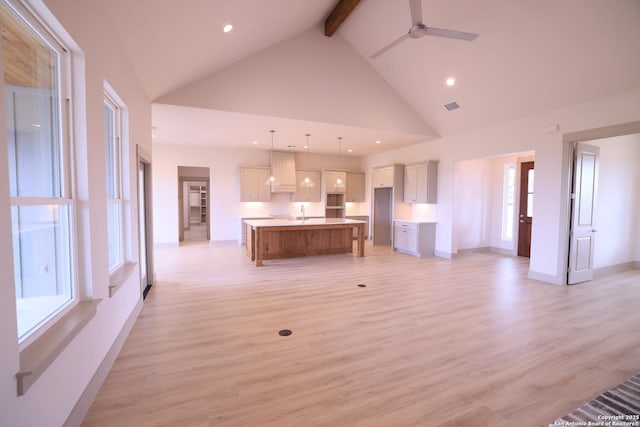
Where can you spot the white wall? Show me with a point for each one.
(306, 77)
(478, 202)
(526, 134)
(52, 397)
(473, 183)
(225, 206)
(615, 215)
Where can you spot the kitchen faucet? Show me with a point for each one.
(302, 210)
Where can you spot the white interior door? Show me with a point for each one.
(585, 189)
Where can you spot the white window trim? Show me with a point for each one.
(66, 187)
(117, 176)
(119, 274)
(508, 220)
(38, 351)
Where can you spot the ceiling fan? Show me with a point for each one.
(418, 29)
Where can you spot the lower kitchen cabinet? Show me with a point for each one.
(414, 238)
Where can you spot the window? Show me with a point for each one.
(508, 198)
(530, 175)
(36, 89)
(113, 147)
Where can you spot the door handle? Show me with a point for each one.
(521, 221)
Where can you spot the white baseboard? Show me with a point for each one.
(502, 251)
(474, 250)
(485, 249)
(547, 278)
(83, 404)
(612, 269)
(441, 254)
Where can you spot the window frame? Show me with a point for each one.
(118, 178)
(65, 154)
(119, 274)
(508, 194)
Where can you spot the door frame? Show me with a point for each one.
(143, 157)
(522, 196)
(192, 179)
(568, 141)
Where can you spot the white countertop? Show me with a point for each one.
(299, 222)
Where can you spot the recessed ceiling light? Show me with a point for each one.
(350, 150)
(378, 142)
(305, 147)
(255, 142)
(451, 81)
(227, 28)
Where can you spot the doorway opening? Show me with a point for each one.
(525, 215)
(194, 216)
(489, 195)
(603, 198)
(145, 221)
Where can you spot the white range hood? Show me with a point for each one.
(283, 167)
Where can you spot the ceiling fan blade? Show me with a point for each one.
(389, 46)
(452, 34)
(416, 11)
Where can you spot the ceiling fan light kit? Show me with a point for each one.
(418, 29)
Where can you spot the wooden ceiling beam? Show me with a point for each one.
(338, 15)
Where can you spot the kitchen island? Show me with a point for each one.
(275, 239)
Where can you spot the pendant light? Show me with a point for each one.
(307, 182)
(272, 181)
(339, 182)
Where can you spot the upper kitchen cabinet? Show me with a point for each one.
(355, 187)
(283, 167)
(308, 191)
(335, 182)
(253, 184)
(421, 182)
(382, 177)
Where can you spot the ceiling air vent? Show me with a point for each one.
(451, 106)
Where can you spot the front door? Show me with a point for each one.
(585, 187)
(525, 216)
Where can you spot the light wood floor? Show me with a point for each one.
(428, 342)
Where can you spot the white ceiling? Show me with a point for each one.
(529, 57)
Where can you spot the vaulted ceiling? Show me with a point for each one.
(276, 69)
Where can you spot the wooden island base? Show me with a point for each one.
(276, 239)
